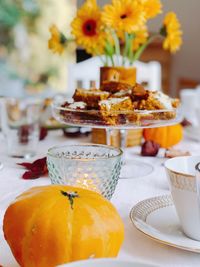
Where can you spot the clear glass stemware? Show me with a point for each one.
(1, 166)
(122, 121)
(131, 168)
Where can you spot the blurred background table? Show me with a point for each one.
(128, 192)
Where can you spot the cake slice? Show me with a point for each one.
(90, 97)
(138, 92)
(116, 104)
(110, 110)
(78, 105)
(114, 87)
(122, 93)
(158, 100)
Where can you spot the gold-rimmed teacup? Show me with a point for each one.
(182, 180)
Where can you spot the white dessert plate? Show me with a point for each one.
(106, 263)
(192, 132)
(156, 217)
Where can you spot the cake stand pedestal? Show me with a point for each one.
(144, 119)
(131, 168)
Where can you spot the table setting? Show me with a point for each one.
(128, 194)
(67, 200)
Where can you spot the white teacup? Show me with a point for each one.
(181, 176)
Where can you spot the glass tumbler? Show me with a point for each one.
(20, 126)
(93, 167)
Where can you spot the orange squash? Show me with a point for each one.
(51, 225)
(165, 136)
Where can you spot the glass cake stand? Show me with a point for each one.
(119, 120)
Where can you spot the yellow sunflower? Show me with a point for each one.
(57, 41)
(171, 22)
(124, 15)
(87, 28)
(151, 8)
(172, 33)
(140, 37)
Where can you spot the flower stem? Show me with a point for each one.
(142, 48)
(117, 46)
(70, 39)
(125, 53)
(130, 50)
(112, 61)
(105, 62)
(109, 52)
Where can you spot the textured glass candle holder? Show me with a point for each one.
(93, 167)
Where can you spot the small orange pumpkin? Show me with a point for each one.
(51, 225)
(165, 136)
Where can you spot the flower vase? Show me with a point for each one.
(118, 74)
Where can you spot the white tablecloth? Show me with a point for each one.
(136, 245)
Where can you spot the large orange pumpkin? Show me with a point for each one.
(165, 136)
(51, 225)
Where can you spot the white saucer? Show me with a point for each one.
(157, 218)
(192, 132)
(106, 263)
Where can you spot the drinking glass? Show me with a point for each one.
(20, 126)
(89, 166)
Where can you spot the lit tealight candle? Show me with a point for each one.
(87, 183)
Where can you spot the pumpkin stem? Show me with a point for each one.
(71, 196)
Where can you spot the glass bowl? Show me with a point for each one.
(94, 167)
(114, 119)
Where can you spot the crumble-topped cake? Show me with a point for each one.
(122, 93)
(122, 104)
(114, 87)
(78, 111)
(116, 104)
(78, 105)
(157, 100)
(90, 97)
(110, 109)
(138, 93)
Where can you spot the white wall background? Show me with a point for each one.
(186, 63)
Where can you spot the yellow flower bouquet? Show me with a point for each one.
(118, 32)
